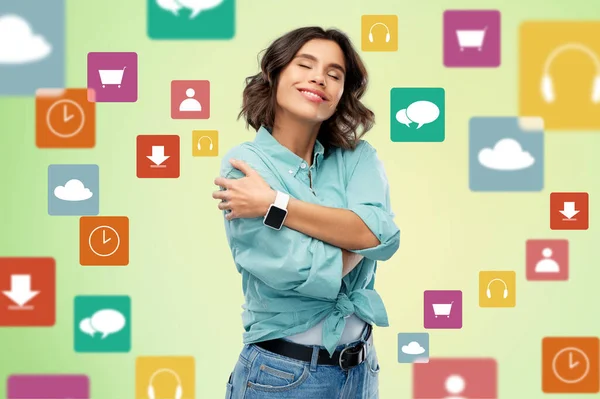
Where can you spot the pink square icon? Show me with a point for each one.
(190, 99)
(547, 260)
(113, 77)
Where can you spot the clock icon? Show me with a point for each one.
(104, 241)
(65, 118)
(571, 365)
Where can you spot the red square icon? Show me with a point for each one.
(27, 292)
(157, 156)
(569, 211)
(547, 260)
(190, 99)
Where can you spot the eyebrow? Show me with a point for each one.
(313, 58)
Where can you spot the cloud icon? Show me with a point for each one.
(74, 190)
(18, 43)
(414, 348)
(507, 154)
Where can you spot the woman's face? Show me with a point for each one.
(311, 86)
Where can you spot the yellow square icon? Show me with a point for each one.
(379, 32)
(560, 74)
(165, 377)
(497, 289)
(205, 143)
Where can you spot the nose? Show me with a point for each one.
(318, 79)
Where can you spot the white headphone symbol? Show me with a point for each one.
(178, 391)
(489, 293)
(387, 36)
(211, 143)
(547, 85)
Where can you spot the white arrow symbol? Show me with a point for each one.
(20, 289)
(569, 210)
(158, 156)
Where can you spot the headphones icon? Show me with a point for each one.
(547, 85)
(387, 36)
(489, 293)
(178, 390)
(211, 143)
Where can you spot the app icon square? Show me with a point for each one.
(413, 347)
(205, 143)
(417, 114)
(158, 156)
(64, 118)
(55, 386)
(165, 375)
(379, 32)
(547, 260)
(190, 99)
(442, 309)
(104, 241)
(472, 38)
(570, 365)
(113, 77)
(506, 154)
(191, 20)
(497, 289)
(569, 211)
(27, 291)
(457, 378)
(73, 190)
(102, 323)
(32, 46)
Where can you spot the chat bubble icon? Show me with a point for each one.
(199, 5)
(170, 5)
(86, 326)
(107, 321)
(422, 112)
(403, 118)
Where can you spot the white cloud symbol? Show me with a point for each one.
(74, 190)
(507, 154)
(414, 348)
(18, 43)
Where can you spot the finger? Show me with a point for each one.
(221, 194)
(223, 182)
(224, 205)
(230, 216)
(242, 166)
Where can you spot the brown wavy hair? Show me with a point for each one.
(342, 128)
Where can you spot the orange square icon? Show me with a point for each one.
(157, 156)
(65, 118)
(569, 211)
(570, 365)
(104, 241)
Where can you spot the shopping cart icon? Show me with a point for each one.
(112, 76)
(442, 309)
(471, 38)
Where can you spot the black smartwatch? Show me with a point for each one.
(277, 211)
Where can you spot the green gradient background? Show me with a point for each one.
(186, 294)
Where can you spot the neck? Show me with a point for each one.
(296, 135)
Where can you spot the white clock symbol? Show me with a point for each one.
(60, 113)
(104, 245)
(566, 355)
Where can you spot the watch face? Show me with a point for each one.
(275, 217)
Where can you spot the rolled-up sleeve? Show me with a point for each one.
(283, 259)
(369, 197)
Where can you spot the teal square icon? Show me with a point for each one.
(191, 19)
(413, 348)
(102, 324)
(418, 114)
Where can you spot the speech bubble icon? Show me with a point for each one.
(403, 118)
(86, 326)
(198, 5)
(108, 321)
(169, 5)
(422, 112)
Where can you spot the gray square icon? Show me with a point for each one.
(413, 348)
(73, 190)
(32, 46)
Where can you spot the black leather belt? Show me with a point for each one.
(347, 358)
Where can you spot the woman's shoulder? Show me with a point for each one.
(363, 148)
(247, 152)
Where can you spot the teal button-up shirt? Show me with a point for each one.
(292, 281)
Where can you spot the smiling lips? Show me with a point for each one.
(313, 95)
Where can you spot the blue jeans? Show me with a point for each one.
(260, 374)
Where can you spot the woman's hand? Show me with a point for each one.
(247, 197)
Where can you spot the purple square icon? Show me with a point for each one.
(442, 309)
(472, 38)
(49, 386)
(113, 77)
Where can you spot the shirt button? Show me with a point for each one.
(291, 171)
(303, 166)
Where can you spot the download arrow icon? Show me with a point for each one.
(568, 210)
(158, 156)
(20, 289)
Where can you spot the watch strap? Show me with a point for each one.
(281, 200)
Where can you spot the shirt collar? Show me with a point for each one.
(285, 158)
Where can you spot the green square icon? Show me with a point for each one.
(191, 19)
(102, 324)
(418, 114)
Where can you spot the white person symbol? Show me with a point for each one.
(547, 265)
